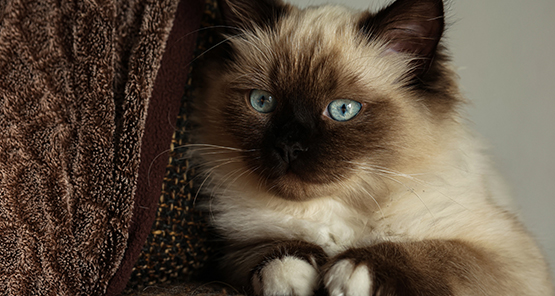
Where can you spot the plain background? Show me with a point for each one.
(504, 52)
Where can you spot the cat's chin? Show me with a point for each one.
(291, 187)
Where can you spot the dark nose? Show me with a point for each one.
(290, 150)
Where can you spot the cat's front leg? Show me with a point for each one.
(284, 268)
(432, 267)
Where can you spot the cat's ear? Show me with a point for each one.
(409, 26)
(248, 14)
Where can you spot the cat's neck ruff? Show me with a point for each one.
(434, 202)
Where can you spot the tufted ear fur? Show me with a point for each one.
(248, 14)
(409, 26)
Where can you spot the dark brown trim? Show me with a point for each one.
(163, 109)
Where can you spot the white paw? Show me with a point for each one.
(346, 279)
(286, 276)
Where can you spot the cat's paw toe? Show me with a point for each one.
(344, 278)
(285, 276)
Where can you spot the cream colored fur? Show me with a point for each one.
(442, 187)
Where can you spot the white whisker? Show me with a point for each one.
(213, 146)
(209, 174)
(384, 172)
(374, 199)
(211, 48)
(225, 181)
(412, 191)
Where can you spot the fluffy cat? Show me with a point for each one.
(336, 159)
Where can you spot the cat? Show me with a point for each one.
(332, 147)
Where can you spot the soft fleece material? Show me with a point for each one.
(88, 92)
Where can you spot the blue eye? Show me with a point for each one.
(343, 110)
(262, 101)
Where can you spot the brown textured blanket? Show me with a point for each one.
(88, 94)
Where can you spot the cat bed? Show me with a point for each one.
(89, 96)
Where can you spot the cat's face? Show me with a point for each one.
(322, 100)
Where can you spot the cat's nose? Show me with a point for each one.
(290, 151)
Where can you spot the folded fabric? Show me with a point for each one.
(86, 91)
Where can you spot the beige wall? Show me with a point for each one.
(505, 52)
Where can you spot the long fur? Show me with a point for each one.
(410, 178)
